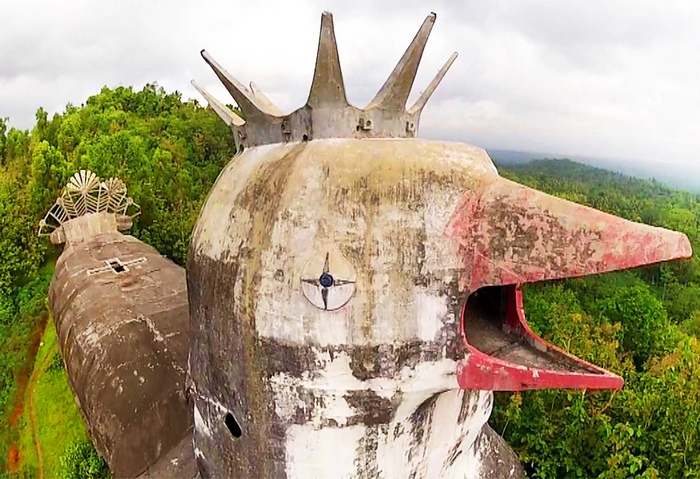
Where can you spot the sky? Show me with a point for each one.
(614, 79)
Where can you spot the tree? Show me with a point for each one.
(645, 331)
(3, 139)
(50, 171)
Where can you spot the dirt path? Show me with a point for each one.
(14, 460)
(35, 429)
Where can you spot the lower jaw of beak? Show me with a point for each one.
(505, 355)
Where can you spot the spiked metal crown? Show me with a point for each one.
(327, 113)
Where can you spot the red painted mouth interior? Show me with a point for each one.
(505, 355)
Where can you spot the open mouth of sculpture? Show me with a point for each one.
(511, 235)
(506, 355)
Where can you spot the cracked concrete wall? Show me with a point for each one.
(124, 340)
(291, 384)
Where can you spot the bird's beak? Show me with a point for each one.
(509, 235)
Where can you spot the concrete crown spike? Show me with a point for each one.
(327, 113)
(327, 87)
(250, 105)
(270, 107)
(225, 113)
(425, 96)
(395, 91)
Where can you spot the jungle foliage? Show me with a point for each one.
(168, 152)
(641, 324)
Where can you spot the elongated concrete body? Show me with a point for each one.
(121, 315)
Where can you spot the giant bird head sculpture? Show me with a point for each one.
(354, 293)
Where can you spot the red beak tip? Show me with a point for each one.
(685, 247)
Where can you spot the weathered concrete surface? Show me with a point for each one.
(286, 386)
(328, 275)
(83, 228)
(369, 387)
(509, 234)
(124, 339)
(498, 459)
(177, 463)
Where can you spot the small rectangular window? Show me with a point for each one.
(117, 266)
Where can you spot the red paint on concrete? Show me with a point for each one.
(509, 234)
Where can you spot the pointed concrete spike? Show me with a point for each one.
(327, 87)
(264, 100)
(247, 102)
(425, 96)
(395, 91)
(224, 112)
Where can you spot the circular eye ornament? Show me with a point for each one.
(328, 280)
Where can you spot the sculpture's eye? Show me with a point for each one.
(328, 280)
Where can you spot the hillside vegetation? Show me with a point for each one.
(52, 429)
(640, 324)
(167, 151)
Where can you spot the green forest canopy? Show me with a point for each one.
(168, 152)
(641, 324)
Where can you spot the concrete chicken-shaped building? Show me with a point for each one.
(354, 291)
(354, 297)
(121, 315)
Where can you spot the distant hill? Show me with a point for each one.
(674, 177)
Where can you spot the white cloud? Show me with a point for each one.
(598, 78)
